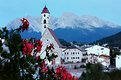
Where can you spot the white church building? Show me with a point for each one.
(49, 37)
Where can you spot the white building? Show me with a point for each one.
(92, 58)
(99, 54)
(118, 62)
(49, 37)
(45, 19)
(73, 54)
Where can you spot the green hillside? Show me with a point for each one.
(114, 40)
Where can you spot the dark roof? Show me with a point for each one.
(56, 39)
(45, 10)
(74, 47)
(71, 47)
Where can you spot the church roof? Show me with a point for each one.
(56, 39)
(74, 47)
(45, 10)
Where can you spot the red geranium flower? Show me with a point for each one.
(63, 74)
(25, 24)
(37, 58)
(27, 47)
(43, 65)
(38, 45)
(45, 69)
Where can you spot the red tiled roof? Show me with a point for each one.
(45, 10)
(56, 39)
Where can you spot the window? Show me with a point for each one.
(78, 52)
(44, 21)
(73, 57)
(44, 26)
(102, 48)
(67, 57)
(44, 15)
(67, 52)
(73, 52)
(78, 57)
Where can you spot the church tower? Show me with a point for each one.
(45, 17)
(49, 37)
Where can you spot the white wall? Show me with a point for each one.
(99, 50)
(118, 62)
(73, 55)
(47, 38)
(47, 18)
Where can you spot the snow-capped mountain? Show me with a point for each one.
(35, 23)
(73, 21)
(71, 27)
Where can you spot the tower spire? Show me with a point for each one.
(45, 10)
(45, 18)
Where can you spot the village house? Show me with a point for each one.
(118, 61)
(99, 54)
(73, 55)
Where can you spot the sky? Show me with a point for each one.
(109, 10)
